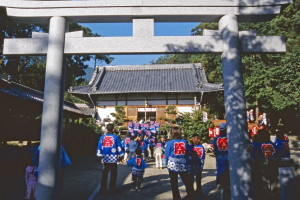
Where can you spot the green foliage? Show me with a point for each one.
(123, 128)
(274, 80)
(89, 122)
(171, 121)
(192, 122)
(198, 30)
(71, 98)
(30, 70)
(171, 110)
(120, 116)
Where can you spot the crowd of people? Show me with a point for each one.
(180, 158)
(136, 148)
(184, 159)
(260, 147)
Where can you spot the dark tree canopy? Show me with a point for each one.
(30, 70)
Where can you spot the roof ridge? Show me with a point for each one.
(184, 65)
(147, 68)
(20, 85)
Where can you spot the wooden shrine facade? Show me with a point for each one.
(146, 89)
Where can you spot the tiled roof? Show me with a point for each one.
(12, 88)
(148, 78)
(85, 109)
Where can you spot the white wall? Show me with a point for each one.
(185, 109)
(103, 112)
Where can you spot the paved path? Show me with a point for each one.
(84, 176)
(156, 185)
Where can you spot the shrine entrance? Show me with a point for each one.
(228, 41)
(150, 114)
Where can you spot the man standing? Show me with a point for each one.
(221, 153)
(110, 151)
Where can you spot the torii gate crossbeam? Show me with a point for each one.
(144, 13)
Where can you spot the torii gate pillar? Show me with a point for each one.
(235, 107)
(51, 133)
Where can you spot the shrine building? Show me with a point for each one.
(147, 89)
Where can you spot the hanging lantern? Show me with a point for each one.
(217, 131)
(254, 130)
(210, 132)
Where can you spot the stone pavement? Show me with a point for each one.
(85, 176)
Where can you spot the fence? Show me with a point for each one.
(76, 138)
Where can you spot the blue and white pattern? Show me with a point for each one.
(109, 149)
(177, 164)
(109, 158)
(137, 173)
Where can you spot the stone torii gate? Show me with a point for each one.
(143, 13)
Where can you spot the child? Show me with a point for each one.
(31, 182)
(133, 144)
(159, 151)
(160, 143)
(138, 169)
(196, 161)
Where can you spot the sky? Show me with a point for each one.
(125, 29)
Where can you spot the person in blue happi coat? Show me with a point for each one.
(138, 170)
(265, 148)
(221, 152)
(142, 145)
(110, 152)
(195, 162)
(151, 144)
(282, 145)
(176, 156)
(254, 145)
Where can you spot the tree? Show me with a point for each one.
(192, 122)
(120, 117)
(273, 80)
(30, 70)
(170, 110)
